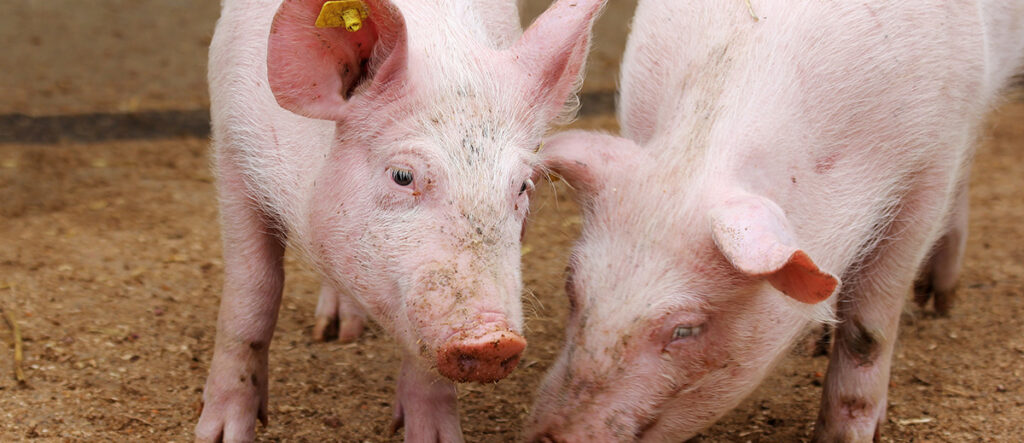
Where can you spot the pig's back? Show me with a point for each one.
(669, 43)
(693, 65)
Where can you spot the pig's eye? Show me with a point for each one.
(684, 331)
(401, 176)
(527, 185)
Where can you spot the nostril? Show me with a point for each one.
(546, 438)
(510, 363)
(467, 363)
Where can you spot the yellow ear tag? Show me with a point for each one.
(347, 13)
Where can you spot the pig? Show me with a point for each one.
(393, 151)
(774, 173)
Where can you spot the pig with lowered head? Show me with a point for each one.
(773, 174)
(395, 154)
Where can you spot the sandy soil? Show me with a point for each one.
(131, 55)
(110, 263)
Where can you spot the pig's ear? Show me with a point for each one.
(586, 160)
(313, 70)
(553, 51)
(755, 237)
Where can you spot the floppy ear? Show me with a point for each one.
(553, 51)
(313, 70)
(755, 237)
(588, 159)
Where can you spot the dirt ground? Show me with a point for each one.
(110, 264)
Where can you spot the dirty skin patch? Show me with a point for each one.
(859, 342)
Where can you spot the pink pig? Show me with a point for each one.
(396, 158)
(773, 174)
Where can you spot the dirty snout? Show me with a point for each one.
(484, 354)
(467, 322)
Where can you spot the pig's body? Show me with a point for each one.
(396, 158)
(821, 152)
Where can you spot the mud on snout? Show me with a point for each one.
(466, 323)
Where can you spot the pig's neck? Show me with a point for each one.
(772, 325)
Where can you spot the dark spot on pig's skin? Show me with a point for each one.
(861, 344)
(793, 179)
(256, 346)
(255, 381)
(853, 407)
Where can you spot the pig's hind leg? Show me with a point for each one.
(856, 387)
(941, 272)
(235, 395)
(337, 316)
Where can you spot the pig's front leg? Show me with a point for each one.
(856, 387)
(236, 389)
(941, 272)
(337, 316)
(426, 406)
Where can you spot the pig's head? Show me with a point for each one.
(681, 297)
(418, 207)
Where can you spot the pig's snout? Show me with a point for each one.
(487, 358)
